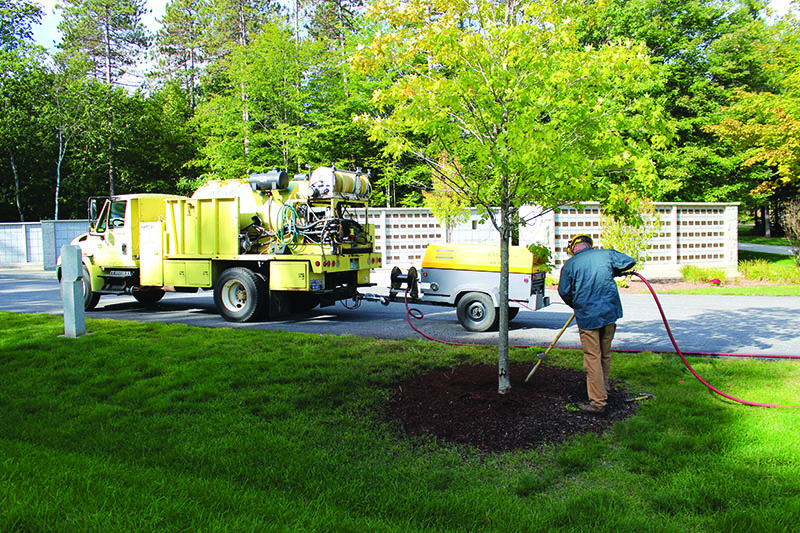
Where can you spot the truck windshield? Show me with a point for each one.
(112, 215)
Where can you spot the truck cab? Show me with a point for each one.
(110, 249)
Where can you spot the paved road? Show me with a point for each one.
(719, 324)
(767, 248)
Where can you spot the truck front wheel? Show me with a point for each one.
(90, 298)
(476, 312)
(240, 294)
(148, 295)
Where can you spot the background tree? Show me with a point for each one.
(763, 126)
(21, 86)
(179, 46)
(107, 36)
(502, 102)
(22, 91)
(263, 78)
(233, 23)
(705, 49)
(68, 109)
(17, 18)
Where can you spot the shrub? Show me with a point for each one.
(757, 269)
(764, 270)
(697, 274)
(632, 237)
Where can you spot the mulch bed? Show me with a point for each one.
(462, 405)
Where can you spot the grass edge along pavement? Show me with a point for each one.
(167, 427)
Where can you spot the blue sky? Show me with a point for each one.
(47, 33)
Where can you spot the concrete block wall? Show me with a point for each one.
(704, 234)
(21, 243)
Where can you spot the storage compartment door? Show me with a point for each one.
(288, 276)
(151, 273)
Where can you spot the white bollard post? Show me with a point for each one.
(72, 291)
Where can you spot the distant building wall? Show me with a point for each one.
(37, 243)
(704, 234)
(21, 243)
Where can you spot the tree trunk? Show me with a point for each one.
(504, 377)
(107, 34)
(111, 166)
(16, 186)
(61, 148)
(63, 142)
(765, 218)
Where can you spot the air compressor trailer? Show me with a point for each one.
(467, 277)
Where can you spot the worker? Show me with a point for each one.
(587, 285)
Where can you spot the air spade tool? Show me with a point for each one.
(543, 357)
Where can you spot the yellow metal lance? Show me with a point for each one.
(543, 357)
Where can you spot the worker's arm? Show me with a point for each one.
(620, 263)
(565, 287)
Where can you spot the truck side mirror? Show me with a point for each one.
(92, 213)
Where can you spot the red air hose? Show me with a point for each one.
(416, 314)
(685, 362)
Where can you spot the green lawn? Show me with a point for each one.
(747, 234)
(153, 427)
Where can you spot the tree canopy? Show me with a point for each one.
(505, 106)
(229, 87)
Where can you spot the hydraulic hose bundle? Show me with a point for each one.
(417, 315)
(294, 226)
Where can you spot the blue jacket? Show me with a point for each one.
(587, 285)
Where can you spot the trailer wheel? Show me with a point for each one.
(148, 295)
(240, 294)
(90, 298)
(476, 312)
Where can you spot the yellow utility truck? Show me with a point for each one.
(267, 246)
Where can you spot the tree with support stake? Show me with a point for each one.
(507, 108)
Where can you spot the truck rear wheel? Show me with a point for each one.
(240, 294)
(476, 312)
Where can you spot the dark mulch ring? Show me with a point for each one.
(462, 405)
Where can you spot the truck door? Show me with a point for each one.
(112, 235)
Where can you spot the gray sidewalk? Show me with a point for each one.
(767, 249)
(29, 271)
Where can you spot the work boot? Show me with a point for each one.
(591, 409)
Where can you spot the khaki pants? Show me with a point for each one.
(596, 345)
